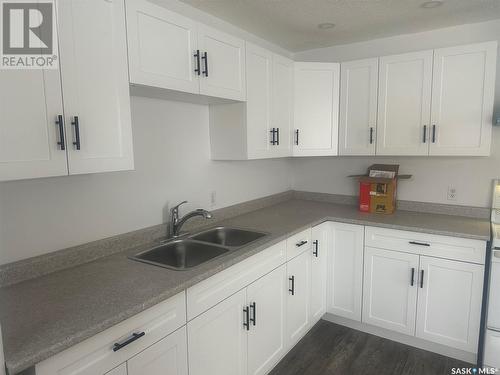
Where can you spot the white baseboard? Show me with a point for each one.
(404, 339)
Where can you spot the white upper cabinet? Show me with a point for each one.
(96, 94)
(316, 105)
(222, 64)
(462, 99)
(170, 51)
(404, 104)
(30, 129)
(260, 127)
(282, 105)
(162, 48)
(258, 107)
(358, 107)
(92, 132)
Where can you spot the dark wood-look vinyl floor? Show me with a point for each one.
(331, 349)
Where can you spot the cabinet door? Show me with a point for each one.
(389, 298)
(358, 107)
(345, 270)
(218, 340)
(297, 311)
(259, 78)
(95, 85)
(166, 357)
(404, 104)
(316, 104)
(319, 253)
(266, 338)
(161, 47)
(30, 103)
(120, 370)
(282, 105)
(462, 99)
(223, 66)
(449, 302)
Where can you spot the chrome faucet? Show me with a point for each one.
(175, 224)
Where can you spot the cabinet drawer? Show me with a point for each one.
(213, 290)
(462, 249)
(298, 243)
(96, 356)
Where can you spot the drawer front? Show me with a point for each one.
(455, 248)
(96, 355)
(298, 243)
(213, 290)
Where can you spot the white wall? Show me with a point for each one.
(172, 159)
(432, 176)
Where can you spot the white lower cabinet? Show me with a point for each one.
(319, 253)
(217, 339)
(434, 299)
(449, 302)
(345, 270)
(167, 357)
(266, 337)
(243, 334)
(297, 309)
(116, 345)
(389, 298)
(244, 319)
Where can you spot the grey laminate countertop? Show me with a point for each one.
(44, 316)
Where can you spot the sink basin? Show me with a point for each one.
(180, 254)
(230, 237)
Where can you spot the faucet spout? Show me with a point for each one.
(176, 224)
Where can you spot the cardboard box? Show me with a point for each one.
(378, 188)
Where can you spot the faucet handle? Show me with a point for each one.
(176, 208)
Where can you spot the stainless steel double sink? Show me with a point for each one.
(196, 249)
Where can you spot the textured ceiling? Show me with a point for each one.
(292, 24)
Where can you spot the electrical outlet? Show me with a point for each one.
(213, 198)
(452, 193)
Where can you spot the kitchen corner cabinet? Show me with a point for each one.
(358, 107)
(316, 107)
(404, 104)
(463, 91)
(260, 127)
(170, 51)
(345, 270)
(92, 131)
